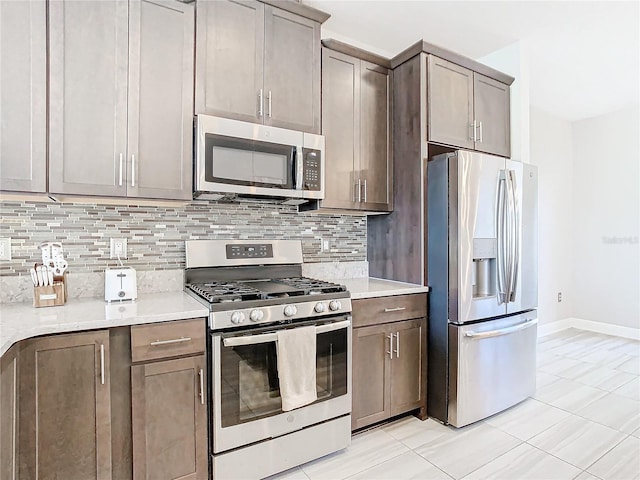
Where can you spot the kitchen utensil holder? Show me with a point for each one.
(51, 295)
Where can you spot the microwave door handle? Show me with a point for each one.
(299, 168)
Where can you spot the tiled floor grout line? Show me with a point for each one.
(605, 453)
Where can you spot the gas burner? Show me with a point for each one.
(311, 286)
(222, 292)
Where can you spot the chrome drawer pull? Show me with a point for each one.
(390, 351)
(168, 342)
(396, 309)
(102, 364)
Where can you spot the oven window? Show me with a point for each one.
(248, 162)
(249, 377)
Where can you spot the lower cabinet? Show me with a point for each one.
(64, 409)
(8, 414)
(168, 402)
(389, 366)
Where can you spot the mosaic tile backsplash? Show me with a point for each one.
(156, 234)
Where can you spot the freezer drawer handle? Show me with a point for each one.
(502, 331)
(396, 309)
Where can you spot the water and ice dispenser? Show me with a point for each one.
(484, 268)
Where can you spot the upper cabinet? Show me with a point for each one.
(356, 110)
(467, 109)
(23, 107)
(259, 63)
(121, 98)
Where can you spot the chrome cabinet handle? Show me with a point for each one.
(120, 173)
(359, 191)
(102, 364)
(472, 128)
(390, 351)
(133, 170)
(168, 342)
(480, 128)
(269, 103)
(201, 374)
(397, 350)
(396, 309)
(365, 190)
(260, 112)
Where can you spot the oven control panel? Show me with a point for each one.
(258, 250)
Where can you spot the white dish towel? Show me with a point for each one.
(296, 352)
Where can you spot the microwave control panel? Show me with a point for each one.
(311, 168)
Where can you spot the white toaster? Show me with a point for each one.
(120, 284)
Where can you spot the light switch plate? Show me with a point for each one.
(5, 248)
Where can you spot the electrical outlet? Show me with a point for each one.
(118, 248)
(324, 245)
(5, 248)
(559, 297)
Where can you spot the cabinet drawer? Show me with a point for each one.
(170, 339)
(373, 311)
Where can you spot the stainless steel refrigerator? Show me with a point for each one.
(482, 270)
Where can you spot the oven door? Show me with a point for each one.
(246, 405)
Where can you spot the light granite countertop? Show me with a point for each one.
(369, 287)
(19, 321)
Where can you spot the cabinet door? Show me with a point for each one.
(291, 71)
(375, 144)
(491, 108)
(407, 366)
(88, 97)
(341, 128)
(169, 420)
(450, 103)
(160, 120)
(9, 414)
(65, 407)
(229, 52)
(370, 376)
(23, 113)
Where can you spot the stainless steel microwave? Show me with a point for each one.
(248, 159)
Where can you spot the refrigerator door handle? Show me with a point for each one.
(510, 237)
(500, 233)
(501, 331)
(514, 228)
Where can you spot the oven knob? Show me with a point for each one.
(320, 307)
(256, 315)
(290, 310)
(237, 317)
(335, 305)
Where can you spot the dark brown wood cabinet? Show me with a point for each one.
(259, 63)
(389, 358)
(467, 109)
(168, 397)
(9, 414)
(65, 407)
(356, 114)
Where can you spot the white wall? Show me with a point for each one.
(552, 152)
(606, 211)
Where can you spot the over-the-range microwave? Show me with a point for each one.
(246, 159)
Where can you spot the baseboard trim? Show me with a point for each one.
(599, 327)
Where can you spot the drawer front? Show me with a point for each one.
(169, 339)
(373, 311)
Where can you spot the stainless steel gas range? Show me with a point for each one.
(254, 289)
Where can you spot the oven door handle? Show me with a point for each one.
(272, 337)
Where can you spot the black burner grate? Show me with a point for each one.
(311, 286)
(220, 292)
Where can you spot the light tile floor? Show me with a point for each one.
(582, 423)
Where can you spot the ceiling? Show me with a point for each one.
(583, 57)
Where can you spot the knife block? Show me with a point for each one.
(51, 295)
